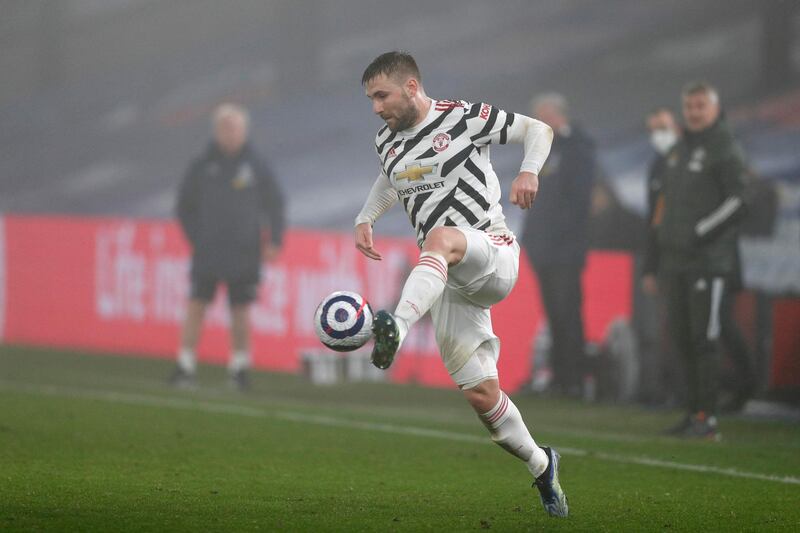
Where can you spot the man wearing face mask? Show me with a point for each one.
(695, 218)
(658, 378)
(664, 133)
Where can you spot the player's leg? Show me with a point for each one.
(704, 321)
(548, 291)
(193, 324)
(675, 289)
(444, 246)
(239, 361)
(570, 304)
(202, 292)
(560, 289)
(190, 334)
(485, 275)
(477, 378)
(470, 351)
(241, 294)
(736, 347)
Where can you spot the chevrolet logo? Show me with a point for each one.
(415, 172)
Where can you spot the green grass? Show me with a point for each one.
(92, 443)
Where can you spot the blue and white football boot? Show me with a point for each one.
(553, 497)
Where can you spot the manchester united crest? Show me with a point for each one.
(440, 142)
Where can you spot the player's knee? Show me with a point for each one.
(446, 242)
(482, 396)
(438, 240)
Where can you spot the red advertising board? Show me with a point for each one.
(786, 343)
(120, 285)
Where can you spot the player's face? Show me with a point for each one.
(392, 101)
(700, 111)
(230, 133)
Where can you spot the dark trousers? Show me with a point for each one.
(693, 311)
(660, 382)
(562, 296)
(735, 347)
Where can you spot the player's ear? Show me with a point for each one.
(411, 86)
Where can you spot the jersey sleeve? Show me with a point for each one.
(381, 198)
(488, 124)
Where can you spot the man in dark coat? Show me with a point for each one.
(556, 237)
(696, 224)
(231, 212)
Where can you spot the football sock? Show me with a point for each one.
(187, 360)
(508, 430)
(240, 360)
(423, 287)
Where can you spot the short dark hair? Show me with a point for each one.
(395, 63)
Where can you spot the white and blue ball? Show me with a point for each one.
(343, 321)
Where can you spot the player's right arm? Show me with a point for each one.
(381, 197)
(364, 241)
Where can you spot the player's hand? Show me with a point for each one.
(270, 253)
(524, 189)
(364, 241)
(649, 284)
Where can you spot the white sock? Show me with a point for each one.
(423, 287)
(240, 360)
(508, 430)
(187, 361)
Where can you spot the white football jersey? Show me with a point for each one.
(440, 168)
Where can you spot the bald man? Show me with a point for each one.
(231, 212)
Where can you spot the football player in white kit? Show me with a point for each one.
(434, 157)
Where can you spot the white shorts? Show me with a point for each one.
(484, 276)
(481, 365)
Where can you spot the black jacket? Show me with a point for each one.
(704, 198)
(224, 203)
(556, 228)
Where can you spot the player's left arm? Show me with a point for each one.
(272, 201)
(730, 173)
(536, 137)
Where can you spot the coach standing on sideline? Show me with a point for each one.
(556, 238)
(231, 212)
(696, 227)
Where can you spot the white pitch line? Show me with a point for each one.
(320, 420)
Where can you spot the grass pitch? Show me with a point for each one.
(91, 443)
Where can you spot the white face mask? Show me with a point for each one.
(663, 139)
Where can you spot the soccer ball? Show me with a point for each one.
(343, 321)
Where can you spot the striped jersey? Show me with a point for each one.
(440, 168)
